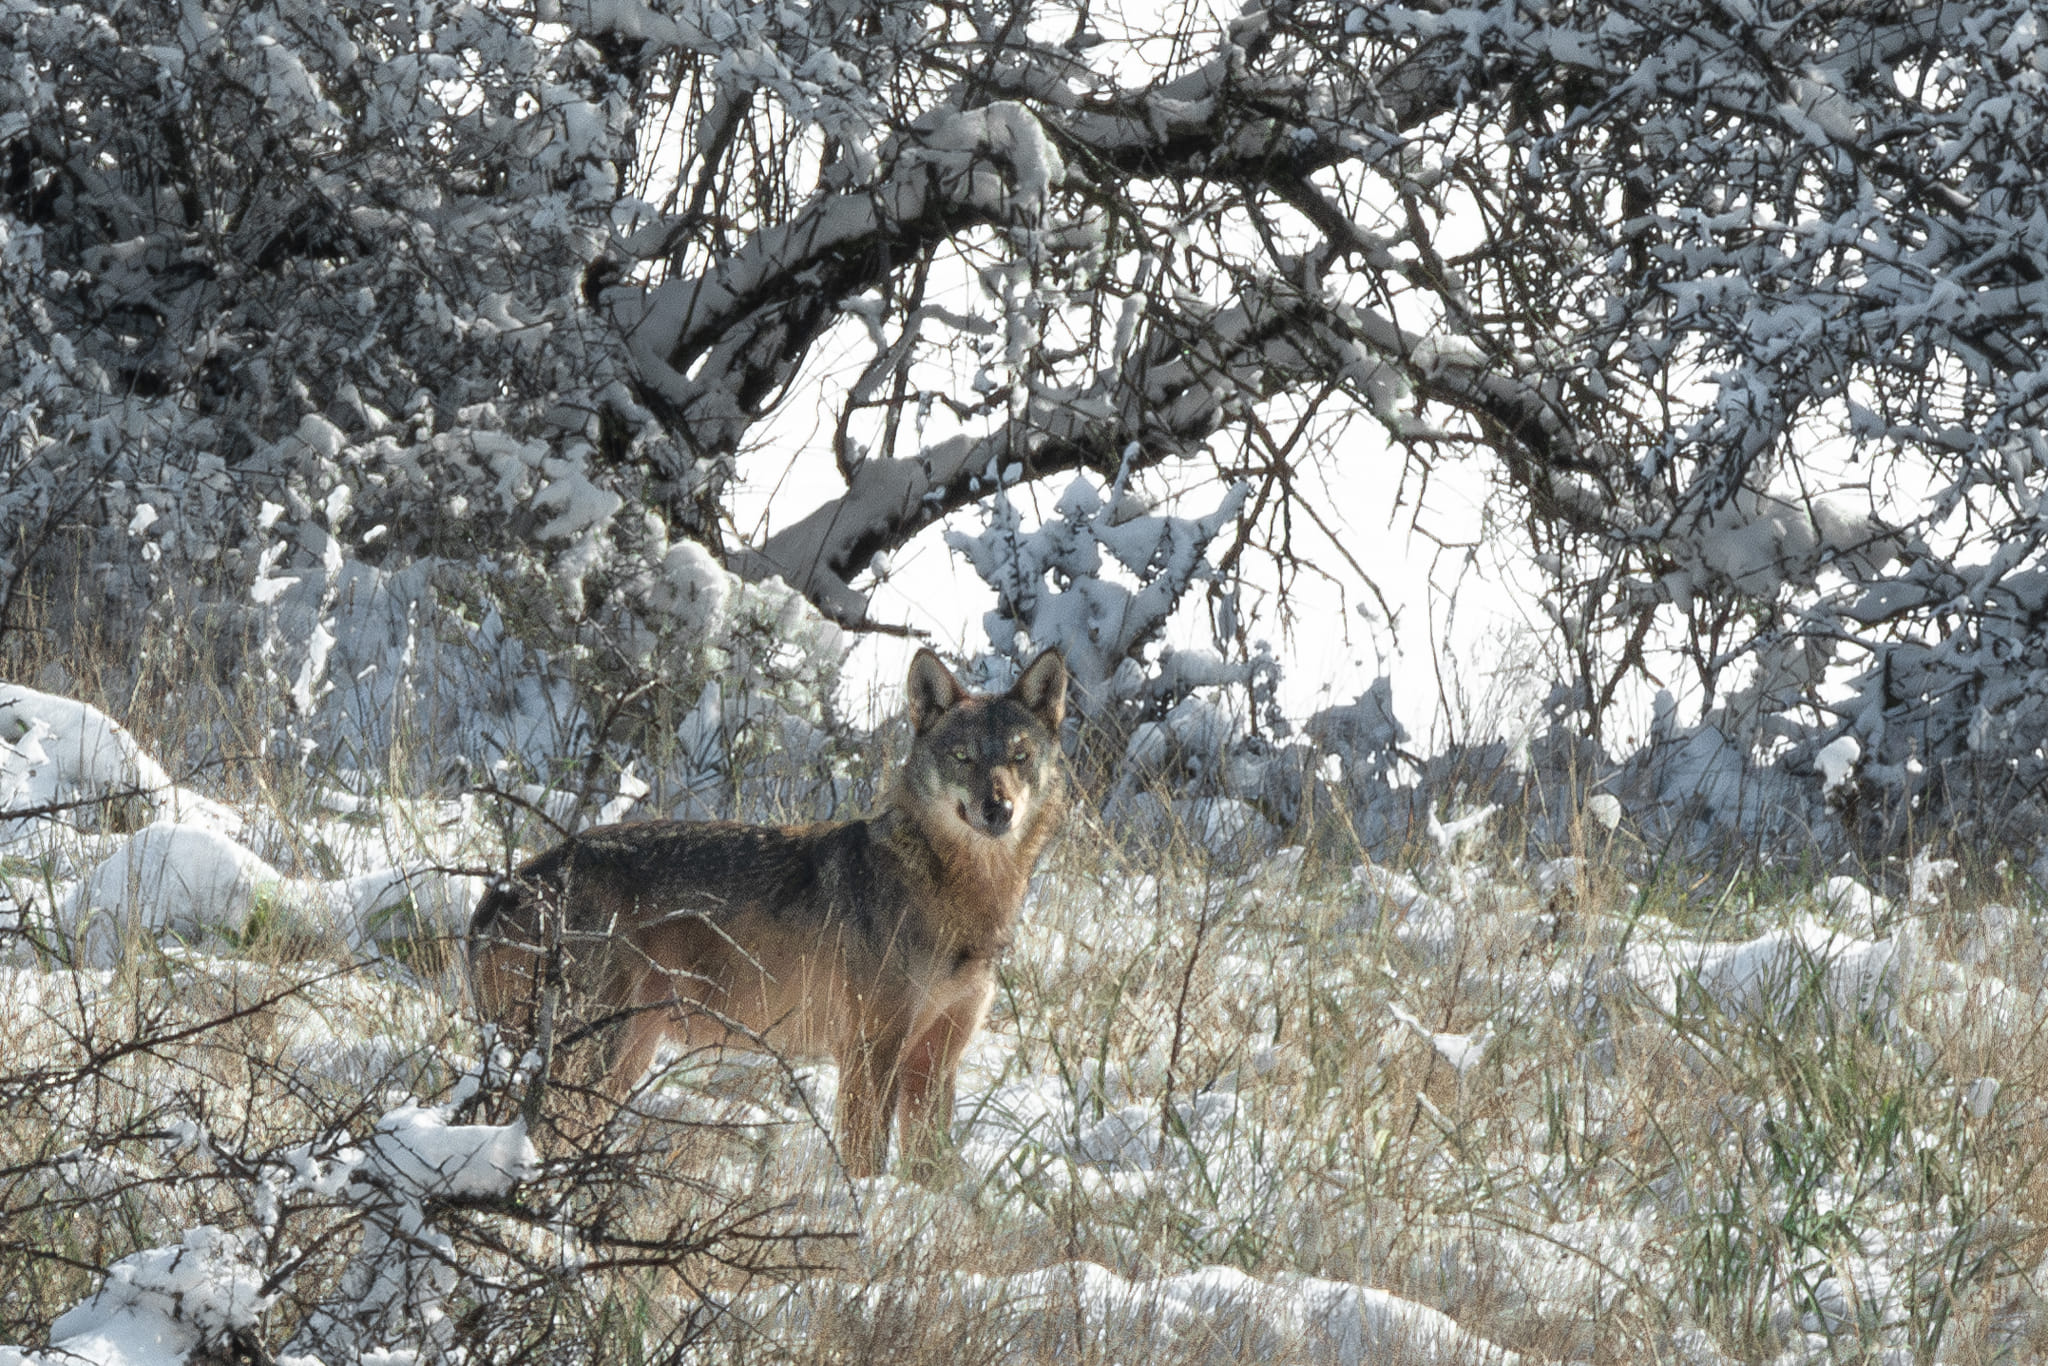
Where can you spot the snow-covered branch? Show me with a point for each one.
(514, 313)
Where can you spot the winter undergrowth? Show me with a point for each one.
(1455, 1103)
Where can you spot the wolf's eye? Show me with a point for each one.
(961, 756)
(1020, 755)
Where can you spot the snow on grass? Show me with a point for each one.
(1080, 1310)
(1457, 1111)
(1768, 975)
(164, 1304)
(55, 751)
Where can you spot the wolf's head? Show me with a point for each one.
(991, 763)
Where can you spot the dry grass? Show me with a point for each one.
(1187, 1067)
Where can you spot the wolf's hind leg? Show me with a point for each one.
(629, 1051)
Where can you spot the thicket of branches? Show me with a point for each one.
(335, 1205)
(1741, 303)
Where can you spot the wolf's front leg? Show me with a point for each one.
(931, 1068)
(868, 1072)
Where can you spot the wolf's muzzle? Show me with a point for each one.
(996, 814)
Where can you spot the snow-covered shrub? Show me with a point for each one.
(395, 1289)
(1183, 727)
(1055, 587)
(350, 1222)
(302, 360)
(198, 1299)
(326, 305)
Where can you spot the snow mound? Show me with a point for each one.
(184, 881)
(1217, 1313)
(1765, 977)
(165, 879)
(55, 751)
(163, 1304)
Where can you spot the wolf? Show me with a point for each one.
(873, 942)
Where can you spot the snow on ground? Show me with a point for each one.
(1080, 1309)
(187, 872)
(1423, 1115)
(163, 1304)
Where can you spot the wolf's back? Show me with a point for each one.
(622, 875)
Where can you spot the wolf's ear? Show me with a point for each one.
(933, 690)
(1043, 689)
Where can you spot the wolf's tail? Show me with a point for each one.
(484, 931)
(495, 903)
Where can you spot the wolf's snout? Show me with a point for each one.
(995, 815)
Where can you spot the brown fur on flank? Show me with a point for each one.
(872, 941)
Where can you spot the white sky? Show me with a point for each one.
(1333, 651)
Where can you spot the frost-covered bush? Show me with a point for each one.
(414, 1234)
(492, 310)
(1796, 398)
(1098, 580)
(297, 348)
(333, 267)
